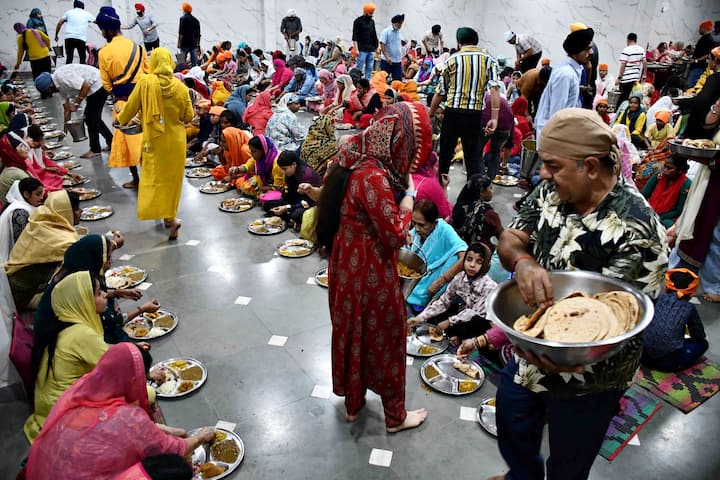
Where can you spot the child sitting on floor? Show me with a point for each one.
(665, 347)
(461, 309)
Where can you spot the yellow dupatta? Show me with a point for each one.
(159, 83)
(48, 234)
(73, 301)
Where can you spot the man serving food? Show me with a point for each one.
(582, 216)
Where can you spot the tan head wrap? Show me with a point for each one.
(577, 133)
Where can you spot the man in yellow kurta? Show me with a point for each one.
(121, 63)
(166, 107)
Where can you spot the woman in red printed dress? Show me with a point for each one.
(362, 224)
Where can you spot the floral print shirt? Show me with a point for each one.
(621, 238)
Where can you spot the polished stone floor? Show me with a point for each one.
(267, 390)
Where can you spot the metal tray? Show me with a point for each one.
(448, 379)
(321, 277)
(54, 145)
(69, 164)
(236, 205)
(54, 134)
(69, 182)
(198, 172)
(86, 193)
(190, 162)
(147, 322)
(506, 180)
(62, 156)
(485, 416)
(295, 248)
(173, 374)
(203, 454)
(49, 127)
(214, 187)
(420, 337)
(261, 227)
(139, 275)
(96, 212)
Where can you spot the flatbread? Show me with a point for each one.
(577, 319)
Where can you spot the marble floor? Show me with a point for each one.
(267, 390)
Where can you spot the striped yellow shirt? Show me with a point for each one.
(467, 75)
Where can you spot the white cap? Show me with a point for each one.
(292, 13)
(508, 35)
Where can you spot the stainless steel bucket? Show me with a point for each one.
(76, 128)
(529, 159)
(414, 261)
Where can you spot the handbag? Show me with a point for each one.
(21, 347)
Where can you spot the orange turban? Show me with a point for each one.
(577, 26)
(706, 25)
(545, 61)
(369, 8)
(204, 104)
(224, 56)
(217, 110)
(186, 7)
(603, 66)
(663, 115)
(682, 275)
(603, 101)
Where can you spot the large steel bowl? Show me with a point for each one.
(702, 155)
(505, 305)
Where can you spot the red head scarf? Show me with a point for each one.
(399, 140)
(140, 7)
(519, 106)
(117, 381)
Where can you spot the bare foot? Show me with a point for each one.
(497, 477)
(90, 154)
(350, 418)
(710, 297)
(174, 227)
(130, 185)
(413, 419)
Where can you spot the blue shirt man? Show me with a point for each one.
(391, 48)
(563, 88)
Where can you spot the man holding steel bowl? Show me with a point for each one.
(583, 216)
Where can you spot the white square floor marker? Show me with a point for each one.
(193, 243)
(242, 300)
(311, 281)
(695, 300)
(126, 257)
(144, 286)
(380, 457)
(229, 426)
(468, 414)
(277, 341)
(321, 391)
(409, 360)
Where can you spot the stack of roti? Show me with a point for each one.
(580, 318)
